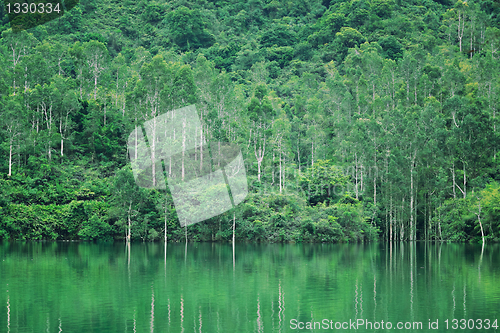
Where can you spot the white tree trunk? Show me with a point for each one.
(183, 146)
(479, 219)
(259, 155)
(10, 159)
(453, 179)
(234, 224)
(390, 216)
(281, 172)
(62, 138)
(95, 87)
(165, 222)
(129, 221)
(312, 153)
(412, 166)
(356, 175)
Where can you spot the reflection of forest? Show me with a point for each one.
(357, 120)
(153, 287)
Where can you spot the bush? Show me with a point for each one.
(95, 228)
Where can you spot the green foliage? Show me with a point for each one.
(279, 35)
(187, 29)
(392, 48)
(153, 13)
(382, 8)
(95, 228)
(459, 218)
(349, 37)
(223, 56)
(356, 119)
(322, 181)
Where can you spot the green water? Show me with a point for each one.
(80, 287)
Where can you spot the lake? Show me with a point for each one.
(205, 287)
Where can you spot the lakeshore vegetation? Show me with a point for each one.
(358, 120)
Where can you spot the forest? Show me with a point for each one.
(358, 120)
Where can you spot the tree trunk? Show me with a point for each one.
(298, 151)
(183, 148)
(129, 222)
(165, 222)
(284, 173)
(479, 219)
(362, 189)
(279, 152)
(136, 140)
(201, 148)
(234, 223)
(460, 33)
(259, 156)
(374, 190)
(453, 179)
(95, 87)
(465, 183)
(152, 145)
(312, 153)
(412, 166)
(10, 159)
(439, 227)
(390, 214)
(356, 175)
(402, 230)
(62, 138)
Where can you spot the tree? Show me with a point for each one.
(261, 116)
(392, 48)
(127, 199)
(44, 99)
(13, 124)
(78, 57)
(349, 37)
(281, 134)
(279, 35)
(187, 29)
(96, 56)
(65, 107)
(320, 181)
(455, 18)
(121, 75)
(18, 45)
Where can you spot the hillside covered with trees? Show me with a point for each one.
(358, 120)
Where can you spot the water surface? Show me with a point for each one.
(84, 287)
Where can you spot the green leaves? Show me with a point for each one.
(392, 48)
(187, 29)
(378, 90)
(279, 35)
(323, 181)
(95, 228)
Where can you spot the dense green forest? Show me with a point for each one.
(358, 120)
